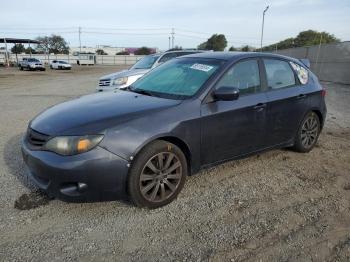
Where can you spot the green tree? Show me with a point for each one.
(202, 46)
(176, 48)
(216, 42)
(18, 49)
(247, 48)
(123, 53)
(311, 37)
(304, 38)
(143, 51)
(100, 52)
(30, 50)
(53, 44)
(232, 48)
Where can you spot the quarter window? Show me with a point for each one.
(302, 73)
(279, 74)
(244, 76)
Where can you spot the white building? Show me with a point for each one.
(107, 49)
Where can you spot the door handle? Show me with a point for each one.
(260, 106)
(301, 96)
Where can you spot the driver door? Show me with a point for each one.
(234, 128)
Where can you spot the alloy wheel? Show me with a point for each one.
(309, 131)
(160, 177)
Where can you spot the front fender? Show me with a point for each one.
(127, 139)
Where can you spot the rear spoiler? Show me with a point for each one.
(305, 62)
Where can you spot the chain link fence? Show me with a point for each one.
(330, 62)
(97, 59)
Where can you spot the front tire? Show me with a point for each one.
(157, 175)
(308, 133)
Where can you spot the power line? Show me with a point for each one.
(127, 29)
(109, 33)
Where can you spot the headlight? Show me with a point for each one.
(72, 145)
(120, 81)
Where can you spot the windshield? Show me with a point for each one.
(178, 78)
(62, 62)
(33, 60)
(146, 62)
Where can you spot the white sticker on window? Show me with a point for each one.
(301, 72)
(202, 67)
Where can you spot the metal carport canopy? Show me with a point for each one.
(18, 41)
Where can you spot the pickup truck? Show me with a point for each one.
(31, 64)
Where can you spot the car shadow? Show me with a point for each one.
(17, 168)
(14, 162)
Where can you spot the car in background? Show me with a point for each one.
(59, 64)
(31, 64)
(190, 113)
(122, 79)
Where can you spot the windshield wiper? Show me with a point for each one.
(139, 91)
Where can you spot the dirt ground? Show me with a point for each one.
(276, 206)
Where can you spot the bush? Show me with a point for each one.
(123, 53)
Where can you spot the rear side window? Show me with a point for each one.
(244, 76)
(279, 74)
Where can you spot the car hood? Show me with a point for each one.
(93, 114)
(125, 73)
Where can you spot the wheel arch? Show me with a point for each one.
(179, 143)
(320, 116)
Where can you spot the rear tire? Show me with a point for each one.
(21, 68)
(157, 175)
(308, 133)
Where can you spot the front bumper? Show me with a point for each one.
(66, 67)
(96, 175)
(36, 67)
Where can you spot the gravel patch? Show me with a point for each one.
(275, 206)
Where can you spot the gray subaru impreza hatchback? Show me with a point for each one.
(190, 113)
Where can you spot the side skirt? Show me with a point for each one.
(278, 146)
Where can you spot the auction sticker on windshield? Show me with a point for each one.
(202, 67)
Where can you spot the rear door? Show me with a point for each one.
(286, 103)
(234, 128)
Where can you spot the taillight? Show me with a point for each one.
(323, 92)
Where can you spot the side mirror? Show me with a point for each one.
(226, 93)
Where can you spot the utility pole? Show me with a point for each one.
(262, 28)
(169, 43)
(172, 37)
(318, 51)
(79, 43)
(7, 62)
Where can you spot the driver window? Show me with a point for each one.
(244, 76)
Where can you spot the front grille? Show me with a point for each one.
(35, 139)
(104, 82)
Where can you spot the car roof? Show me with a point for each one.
(230, 56)
(179, 51)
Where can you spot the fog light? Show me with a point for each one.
(82, 187)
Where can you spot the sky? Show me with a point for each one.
(149, 23)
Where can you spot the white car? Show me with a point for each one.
(123, 79)
(59, 64)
